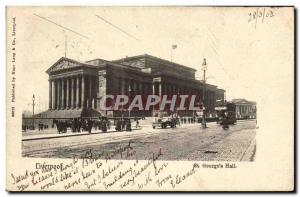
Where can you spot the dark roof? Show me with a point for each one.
(241, 101)
(96, 62)
(100, 62)
(120, 66)
(153, 58)
(221, 90)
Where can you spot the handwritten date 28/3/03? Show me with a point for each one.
(260, 15)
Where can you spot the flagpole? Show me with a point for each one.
(66, 45)
(174, 46)
(171, 53)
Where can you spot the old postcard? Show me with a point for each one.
(150, 98)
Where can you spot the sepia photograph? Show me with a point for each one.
(100, 103)
(137, 93)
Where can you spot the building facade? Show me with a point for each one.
(76, 88)
(245, 109)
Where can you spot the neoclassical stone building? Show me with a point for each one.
(76, 88)
(245, 109)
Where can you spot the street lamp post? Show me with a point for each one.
(33, 104)
(129, 90)
(204, 68)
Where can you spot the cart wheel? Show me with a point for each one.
(153, 127)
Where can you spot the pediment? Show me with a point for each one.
(63, 64)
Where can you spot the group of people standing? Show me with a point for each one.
(123, 124)
(86, 124)
(82, 124)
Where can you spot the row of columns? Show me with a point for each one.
(158, 88)
(72, 92)
(244, 109)
(127, 86)
(132, 86)
(79, 91)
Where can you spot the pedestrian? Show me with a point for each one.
(108, 123)
(137, 123)
(90, 125)
(79, 124)
(178, 121)
(58, 125)
(123, 124)
(128, 125)
(104, 126)
(73, 125)
(118, 125)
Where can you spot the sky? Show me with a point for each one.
(240, 52)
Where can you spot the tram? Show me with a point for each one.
(226, 112)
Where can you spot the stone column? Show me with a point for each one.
(58, 93)
(167, 89)
(153, 88)
(67, 94)
(144, 88)
(82, 92)
(72, 93)
(50, 94)
(135, 89)
(123, 84)
(90, 92)
(77, 92)
(140, 87)
(95, 83)
(159, 89)
(53, 94)
(148, 88)
(63, 94)
(126, 86)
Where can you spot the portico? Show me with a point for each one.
(71, 86)
(73, 92)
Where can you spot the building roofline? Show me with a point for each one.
(118, 65)
(96, 60)
(242, 100)
(191, 80)
(70, 60)
(156, 58)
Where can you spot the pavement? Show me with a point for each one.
(53, 134)
(187, 142)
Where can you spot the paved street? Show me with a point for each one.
(187, 142)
